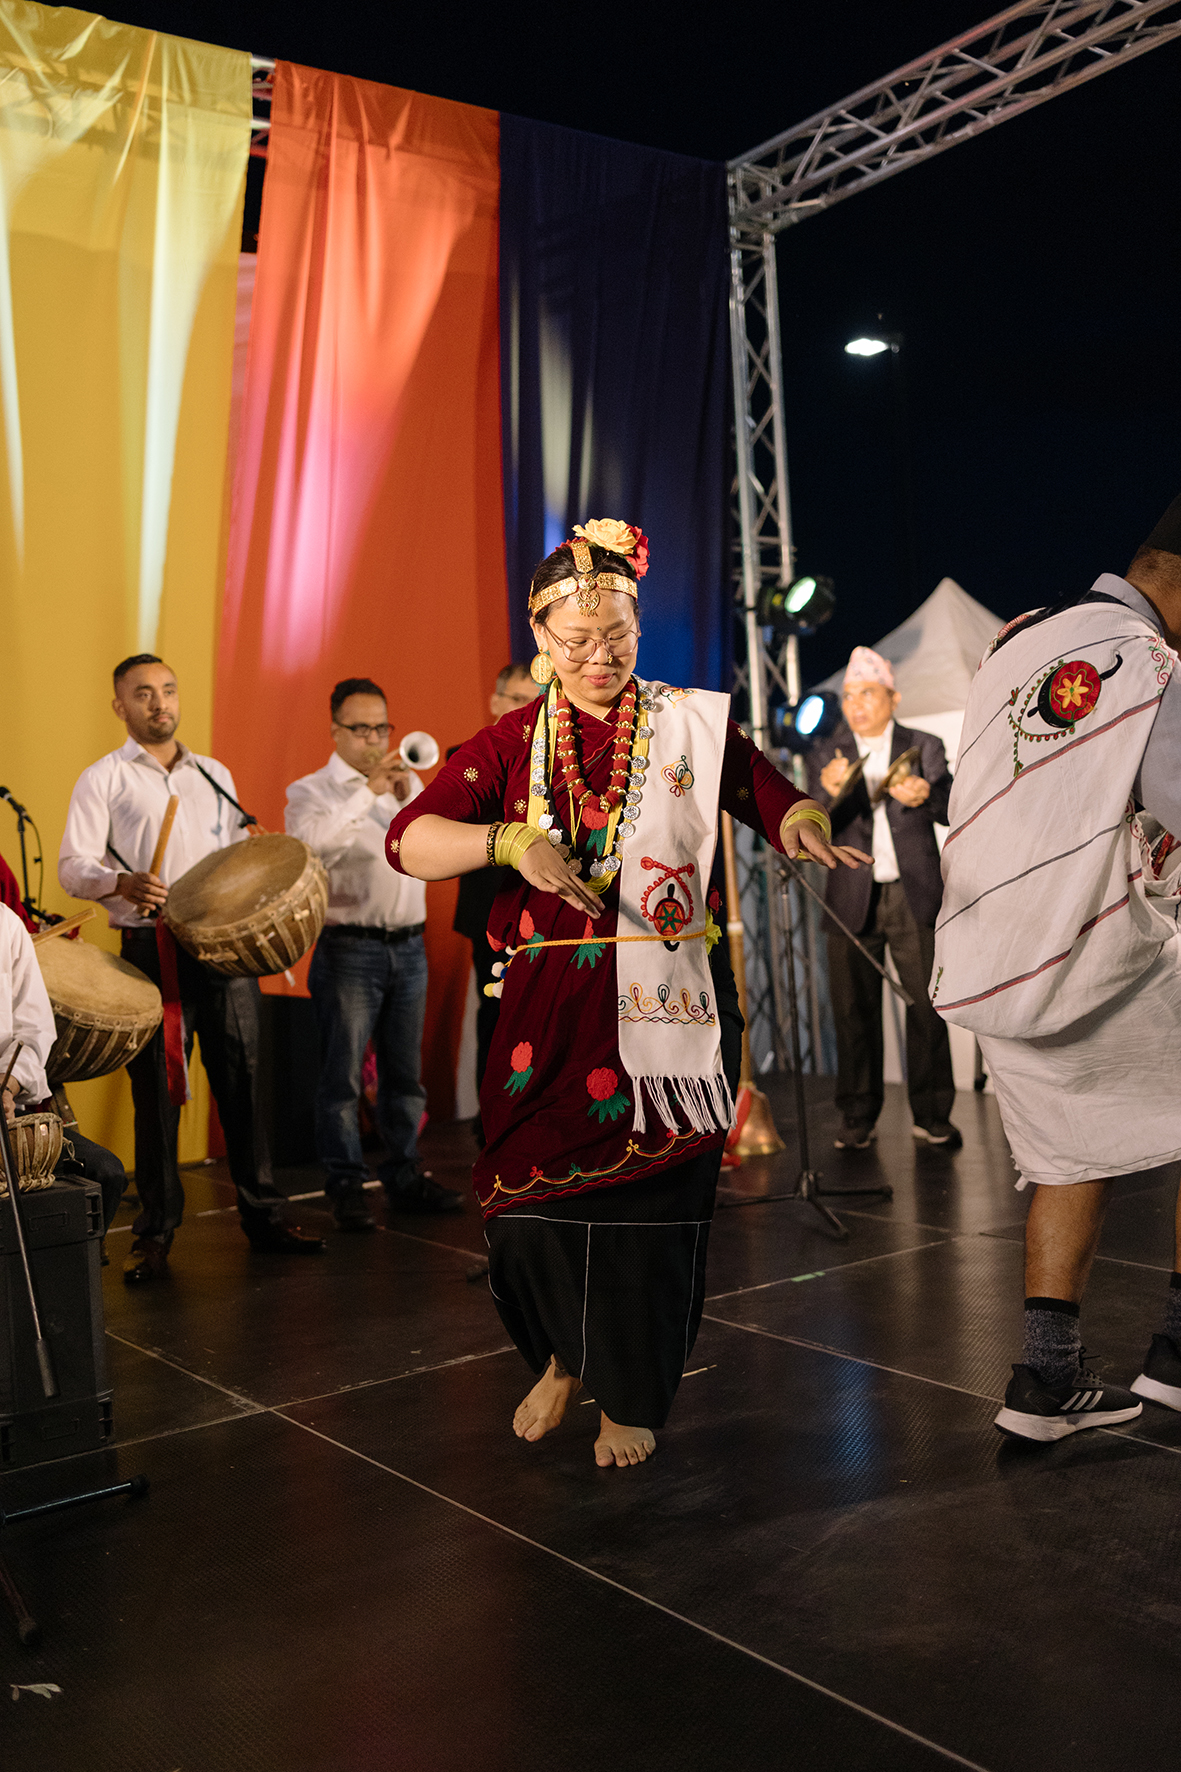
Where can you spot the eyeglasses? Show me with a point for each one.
(616, 646)
(363, 731)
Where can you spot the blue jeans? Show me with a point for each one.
(362, 990)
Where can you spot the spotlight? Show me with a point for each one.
(814, 716)
(866, 347)
(800, 607)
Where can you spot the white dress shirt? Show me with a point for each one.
(876, 752)
(118, 805)
(25, 1013)
(336, 815)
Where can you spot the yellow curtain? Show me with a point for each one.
(122, 172)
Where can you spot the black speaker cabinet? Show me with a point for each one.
(63, 1229)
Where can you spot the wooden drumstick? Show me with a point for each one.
(161, 843)
(66, 926)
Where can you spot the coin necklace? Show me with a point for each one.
(554, 752)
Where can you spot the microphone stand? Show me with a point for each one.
(808, 1186)
(134, 1487)
(23, 819)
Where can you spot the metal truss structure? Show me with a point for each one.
(262, 81)
(1023, 56)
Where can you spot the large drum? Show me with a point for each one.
(36, 1146)
(105, 1010)
(252, 909)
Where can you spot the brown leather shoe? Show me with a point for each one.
(285, 1239)
(148, 1261)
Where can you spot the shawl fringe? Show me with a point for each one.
(706, 1102)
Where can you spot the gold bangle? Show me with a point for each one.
(815, 815)
(511, 842)
(494, 831)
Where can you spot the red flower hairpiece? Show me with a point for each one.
(639, 557)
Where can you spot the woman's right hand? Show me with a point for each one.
(543, 867)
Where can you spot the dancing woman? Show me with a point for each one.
(610, 1081)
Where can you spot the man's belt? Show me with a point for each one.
(370, 932)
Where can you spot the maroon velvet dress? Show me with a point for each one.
(596, 1233)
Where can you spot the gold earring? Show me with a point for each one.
(541, 669)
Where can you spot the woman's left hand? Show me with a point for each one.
(803, 841)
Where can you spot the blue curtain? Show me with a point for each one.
(615, 375)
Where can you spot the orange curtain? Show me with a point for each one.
(366, 537)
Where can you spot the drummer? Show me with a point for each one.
(368, 976)
(116, 815)
(892, 806)
(26, 1015)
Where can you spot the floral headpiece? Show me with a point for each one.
(604, 532)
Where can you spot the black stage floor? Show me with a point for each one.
(348, 1563)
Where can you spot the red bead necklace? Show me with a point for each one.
(595, 809)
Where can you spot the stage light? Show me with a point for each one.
(814, 716)
(800, 607)
(866, 347)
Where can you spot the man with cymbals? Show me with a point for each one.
(118, 811)
(886, 787)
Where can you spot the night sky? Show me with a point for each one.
(1033, 273)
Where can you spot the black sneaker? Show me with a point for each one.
(941, 1133)
(350, 1212)
(1037, 1411)
(424, 1195)
(854, 1138)
(1160, 1380)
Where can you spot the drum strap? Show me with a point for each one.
(174, 1018)
(247, 817)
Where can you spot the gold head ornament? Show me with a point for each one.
(585, 585)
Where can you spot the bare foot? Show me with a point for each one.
(623, 1445)
(546, 1403)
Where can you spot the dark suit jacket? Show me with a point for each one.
(912, 827)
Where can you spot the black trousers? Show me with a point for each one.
(223, 1013)
(856, 991)
(87, 1161)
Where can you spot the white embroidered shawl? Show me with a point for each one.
(669, 1041)
(1047, 914)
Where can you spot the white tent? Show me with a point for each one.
(935, 654)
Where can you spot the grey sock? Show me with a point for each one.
(1173, 1311)
(1052, 1341)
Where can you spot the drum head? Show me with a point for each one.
(234, 884)
(79, 977)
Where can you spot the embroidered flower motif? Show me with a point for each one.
(744, 793)
(588, 950)
(520, 805)
(522, 1063)
(607, 1099)
(529, 936)
(395, 845)
(471, 773)
(714, 900)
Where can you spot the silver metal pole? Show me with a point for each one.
(744, 467)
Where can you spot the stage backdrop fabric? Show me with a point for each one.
(367, 530)
(614, 371)
(122, 170)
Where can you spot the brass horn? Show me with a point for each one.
(418, 750)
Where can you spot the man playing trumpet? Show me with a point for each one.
(368, 975)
